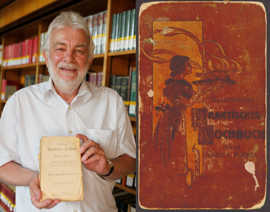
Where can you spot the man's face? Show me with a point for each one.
(68, 58)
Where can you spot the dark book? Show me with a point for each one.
(124, 81)
(113, 82)
(202, 105)
(133, 94)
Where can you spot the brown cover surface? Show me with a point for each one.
(202, 69)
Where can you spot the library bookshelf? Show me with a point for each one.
(31, 27)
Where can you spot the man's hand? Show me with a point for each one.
(35, 193)
(93, 156)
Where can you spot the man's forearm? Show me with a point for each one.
(123, 165)
(14, 174)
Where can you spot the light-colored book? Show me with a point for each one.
(60, 168)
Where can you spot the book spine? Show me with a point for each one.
(9, 55)
(134, 29)
(20, 53)
(93, 78)
(127, 31)
(130, 180)
(99, 32)
(89, 22)
(118, 85)
(41, 43)
(1, 55)
(116, 32)
(104, 31)
(99, 79)
(120, 26)
(124, 88)
(123, 31)
(5, 54)
(131, 29)
(113, 32)
(31, 50)
(34, 59)
(28, 50)
(24, 52)
(94, 24)
(16, 59)
(3, 89)
(133, 93)
(113, 82)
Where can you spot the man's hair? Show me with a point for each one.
(70, 19)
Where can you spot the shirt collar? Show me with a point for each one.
(85, 90)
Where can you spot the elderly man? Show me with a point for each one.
(66, 105)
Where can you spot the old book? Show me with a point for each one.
(202, 105)
(60, 168)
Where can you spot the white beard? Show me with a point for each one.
(66, 87)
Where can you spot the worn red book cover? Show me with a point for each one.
(202, 105)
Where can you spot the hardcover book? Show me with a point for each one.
(202, 107)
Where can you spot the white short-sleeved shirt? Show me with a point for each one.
(38, 110)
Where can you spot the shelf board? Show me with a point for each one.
(98, 56)
(130, 190)
(132, 118)
(42, 64)
(122, 53)
(19, 66)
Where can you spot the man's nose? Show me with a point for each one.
(69, 56)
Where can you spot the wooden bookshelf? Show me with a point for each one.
(125, 188)
(18, 67)
(98, 56)
(122, 53)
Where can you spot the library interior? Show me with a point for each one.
(112, 24)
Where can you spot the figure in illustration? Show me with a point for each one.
(177, 92)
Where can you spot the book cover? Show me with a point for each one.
(60, 168)
(202, 105)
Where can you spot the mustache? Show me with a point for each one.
(67, 65)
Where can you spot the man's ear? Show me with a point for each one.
(90, 60)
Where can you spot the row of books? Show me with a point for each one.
(124, 200)
(123, 34)
(30, 79)
(95, 78)
(132, 208)
(24, 52)
(7, 198)
(128, 181)
(97, 28)
(123, 37)
(9, 87)
(126, 88)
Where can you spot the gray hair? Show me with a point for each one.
(73, 20)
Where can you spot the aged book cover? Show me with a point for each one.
(202, 105)
(60, 168)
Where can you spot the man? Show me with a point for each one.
(66, 105)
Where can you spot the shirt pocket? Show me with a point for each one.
(107, 139)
